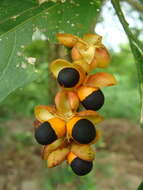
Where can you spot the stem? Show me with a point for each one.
(136, 47)
(125, 24)
(137, 54)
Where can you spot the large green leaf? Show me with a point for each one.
(140, 187)
(136, 47)
(20, 19)
(141, 1)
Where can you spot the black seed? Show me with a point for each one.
(83, 131)
(81, 167)
(94, 101)
(68, 77)
(45, 134)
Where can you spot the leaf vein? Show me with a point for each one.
(29, 19)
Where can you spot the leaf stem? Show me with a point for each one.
(125, 24)
(136, 47)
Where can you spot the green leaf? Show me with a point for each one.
(136, 47)
(19, 20)
(140, 187)
(141, 1)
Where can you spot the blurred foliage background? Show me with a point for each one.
(118, 162)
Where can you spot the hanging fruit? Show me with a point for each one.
(81, 130)
(66, 133)
(79, 166)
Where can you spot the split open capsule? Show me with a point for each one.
(91, 98)
(81, 130)
(68, 74)
(50, 130)
(80, 167)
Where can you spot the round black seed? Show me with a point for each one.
(94, 101)
(83, 131)
(81, 167)
(45, 134)
(68, 77)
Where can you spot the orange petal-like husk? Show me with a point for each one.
(46, 150)
(91, 115)
(100, 80)
(94, 64)
(44, 113)
(83, 51)
(92, 39)
(82, 74)
(84, 91)
(67, 40)
(84, 152)
(59, 126)
(75, 54)
(102, 57)
(58, 156)
(63, 104)
(70, 123)
(87, 53)
(57, 65)
(85, 66)
(70, 157)
(74, 100)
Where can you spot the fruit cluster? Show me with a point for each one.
(64, 132)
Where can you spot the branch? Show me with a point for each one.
(136, 47)
(136, 5)
(124, 23)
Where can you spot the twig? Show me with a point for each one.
(125, 25)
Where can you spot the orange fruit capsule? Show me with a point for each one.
(50, 130)
(68, 74)
(81, 130)
(79, 166)
(67, 40)
(102, 57)
(91, 98)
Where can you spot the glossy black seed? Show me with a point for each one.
(45, 134)
(68, 77)
(81, 167)
(94, 101)
(83, 131)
